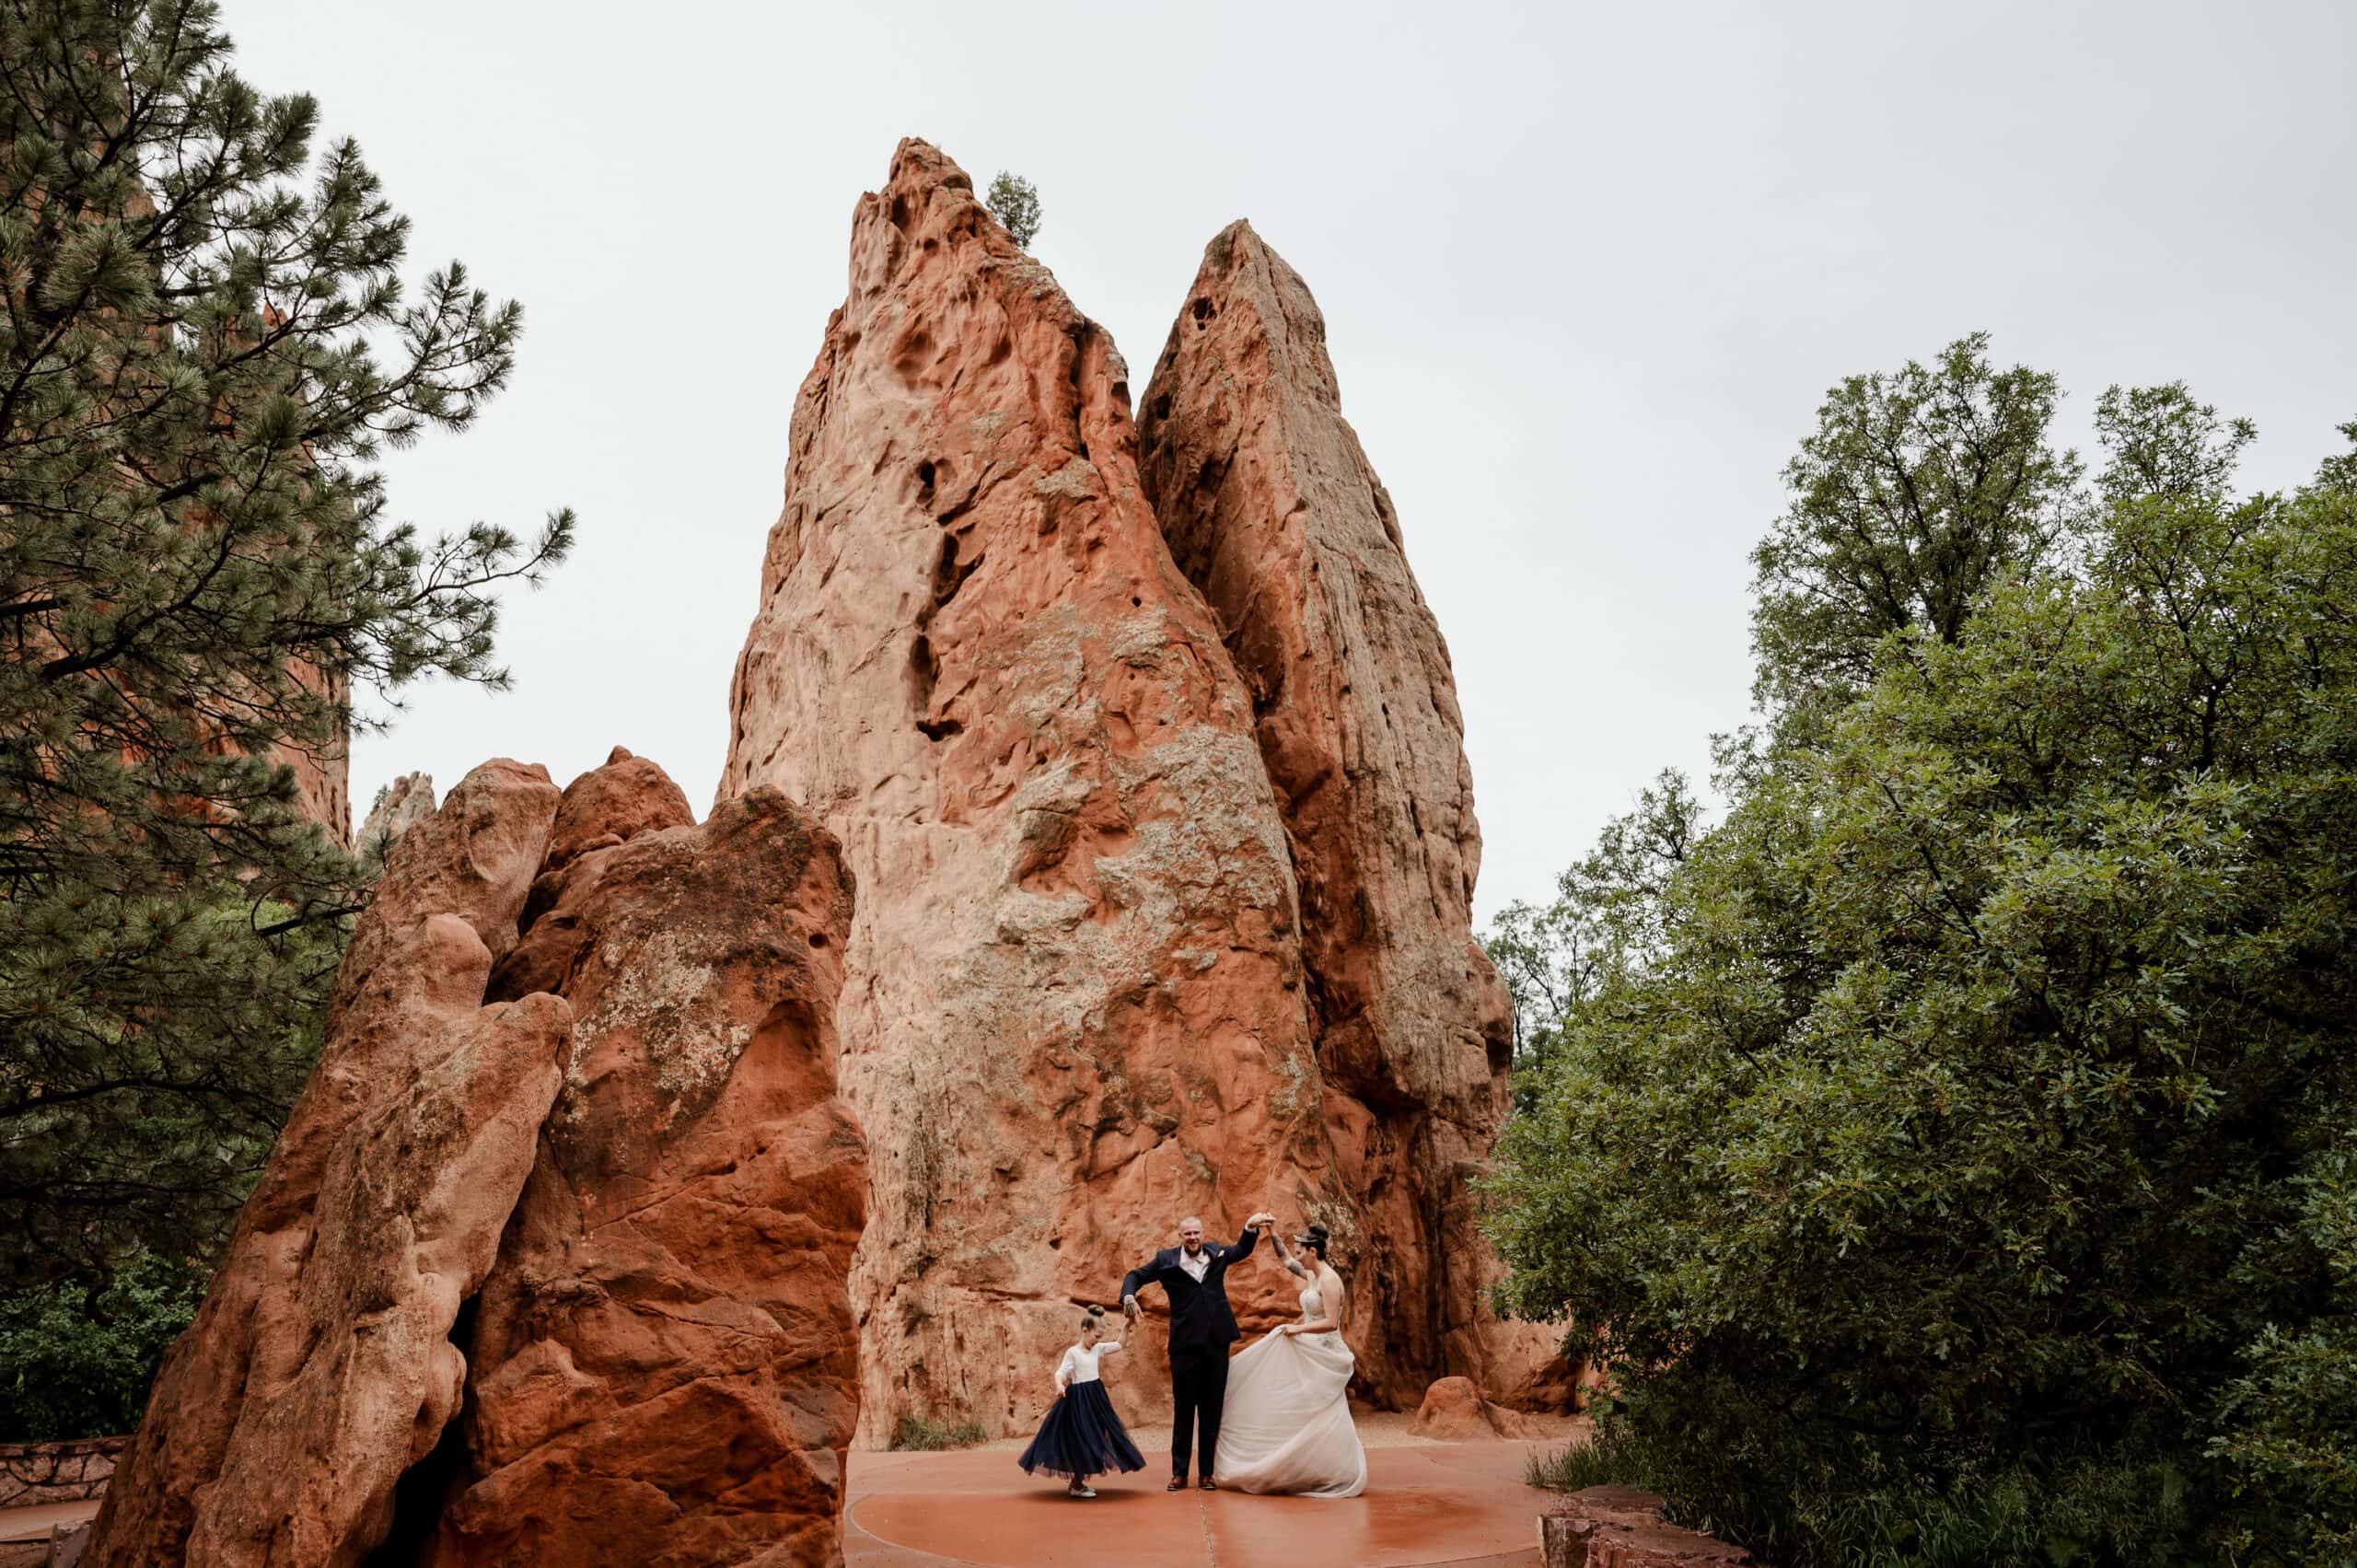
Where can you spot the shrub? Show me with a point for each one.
(76, 1358)
(925, 1434)
(1957, 1169)
(1015, 202)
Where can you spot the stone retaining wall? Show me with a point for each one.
(1619, 1527)
(34, 1473)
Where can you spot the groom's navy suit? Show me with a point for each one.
(1201, 1328)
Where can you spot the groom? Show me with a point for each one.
(1194, 1277)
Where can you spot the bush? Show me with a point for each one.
(1960, 1169)
(1735, 1469)
(923, 1434)
(1015, 202)
(77, 1358)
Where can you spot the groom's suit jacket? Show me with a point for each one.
(1200, 1317)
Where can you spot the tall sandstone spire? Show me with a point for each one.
(1073, 1009)
(1272, 511)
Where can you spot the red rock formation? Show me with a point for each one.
(665, 1360)
(651, 1333)
(400, 806)
(1454, 1411)
(478, 863)
(1072, 1011)
(324, 787)
(1270, 508)
(320, 1366)
(323, 774)
(628, 797)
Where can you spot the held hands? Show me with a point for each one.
(1130, 1307)
(1259, 1219)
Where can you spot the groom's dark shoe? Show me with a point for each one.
(1208, 1484)
(1177, 1484)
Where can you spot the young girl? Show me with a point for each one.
(1081, 1437)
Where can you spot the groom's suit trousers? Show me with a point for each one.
(1197, 1388)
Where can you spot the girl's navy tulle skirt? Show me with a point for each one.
(1082, 1437)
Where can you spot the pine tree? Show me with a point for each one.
(206, 343)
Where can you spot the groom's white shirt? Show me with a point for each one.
(1196, 1266)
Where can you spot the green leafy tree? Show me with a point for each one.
(1918, 491)
(1964, 1174)
(76, 1358)
(1015, 202)
(1604, 919)
(205, 342)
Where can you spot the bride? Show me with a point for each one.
(1287, 1425)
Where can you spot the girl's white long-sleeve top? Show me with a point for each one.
(1079, 1365)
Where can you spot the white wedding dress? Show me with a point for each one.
(1287, 1424)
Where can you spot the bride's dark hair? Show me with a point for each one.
(1313, 1237)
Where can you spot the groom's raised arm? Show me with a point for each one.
(1245, 1243)
(1137, 1278)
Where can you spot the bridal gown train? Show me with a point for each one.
(1287, 1424)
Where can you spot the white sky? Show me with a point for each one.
(1586, 271)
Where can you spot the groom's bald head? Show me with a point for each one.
(1191, 1233)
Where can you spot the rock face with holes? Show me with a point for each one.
(665, 1363)
(1271, 509)
(319, 1367)
(1074, 1012)
(548, 1264)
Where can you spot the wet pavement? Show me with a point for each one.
(17, 1525)
(1462, 1504)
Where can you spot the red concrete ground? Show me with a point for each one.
(34, 1523)
(1462, 1504)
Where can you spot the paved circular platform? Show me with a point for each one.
(1441, 1503)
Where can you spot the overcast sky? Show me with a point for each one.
(1586, 271)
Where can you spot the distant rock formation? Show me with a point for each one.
(637, 1040)
(1072, 1012)
(400, 806)
(1272, 511)
(323, 774)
